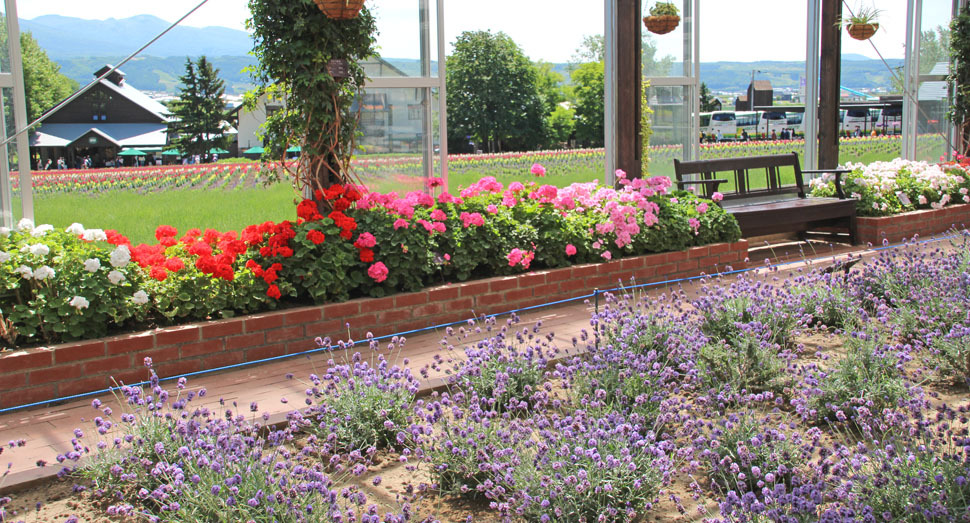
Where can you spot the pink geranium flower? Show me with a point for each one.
(570, 249)
(378, 272)
(538, 170)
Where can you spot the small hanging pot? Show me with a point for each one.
(661, 24)
(340, 9)
(863, 31)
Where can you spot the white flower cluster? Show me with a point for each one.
(92, 264)
(139, 298)
(120, 257)
(79, 303)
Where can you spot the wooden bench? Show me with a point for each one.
(761, 203)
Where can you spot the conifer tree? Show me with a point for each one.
(199, 113)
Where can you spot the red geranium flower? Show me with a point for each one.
(174, 264)
(366, 255)
(164, 231)
(159, 273)
(273, 292)
(316, 236)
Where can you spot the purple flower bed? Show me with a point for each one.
(816, 396)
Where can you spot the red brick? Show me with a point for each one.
(518, 295)
(503, 284)
(549, 290)
(645, 274)
(223, 359)
(674, 257)
(666, 270)
(531, 280)
(428, 310)
(266, 351)
(83, 385)
(635, 262)
(719, 248)
(174, 335)
(474, 288)
(109, 364)
(572, 287)
(377, 304)
(15, 398)
(698, 252)
(222, 328)
(365, 322)
(301, 316)
(486, 300)
(130, 343)
(16, 380)
(582, 271)
(263, 322)
(689, 265)
(19, 361)
(285, 334)
(652, 260)
(443, 294)
(395, 315)
(192, 350)
(78, 351)
(304, 345)
(741, 245)
(121, 377)
(177, 368)
(158, 355)
(59, 373)
(557, 275)
(245, 340)
(325, 328)
(410, 299)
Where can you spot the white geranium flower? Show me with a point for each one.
(120, 256)
(75, 228)
(41, 230)
(4, 232)
(39, 249)
(116, 277)
(92, 264)
(25, 225)
(94, 235)
(44, 272)
(4, 256)
(922, 199)
(24, 272)
(79, 303)
(139, 298)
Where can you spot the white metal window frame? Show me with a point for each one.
(427, 83)
(14, 80)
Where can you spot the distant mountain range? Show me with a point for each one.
(83, 46)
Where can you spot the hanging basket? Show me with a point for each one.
(340, 9)
(862, 31)
(662, 24)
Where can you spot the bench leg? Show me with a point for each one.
(852, 230)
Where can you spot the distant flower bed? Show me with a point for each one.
(886, 188)
(81, 283)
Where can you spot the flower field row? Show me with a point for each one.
(77, 283)
(886, 188)
(723, 407)
(406, 172)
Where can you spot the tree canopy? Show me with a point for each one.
(493, 94)
(200, 111)
(588, 88)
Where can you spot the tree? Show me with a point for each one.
(549, 83)
(493, 94)
(44, 85)
(707, 101)
(593, 49)
(294, 42)
(199, 124)
(934, 47)
(588, 87)
(561, 123)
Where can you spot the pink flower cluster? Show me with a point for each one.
(520, 257)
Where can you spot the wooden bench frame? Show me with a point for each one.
(767, 210)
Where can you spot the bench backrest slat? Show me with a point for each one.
(770, 165)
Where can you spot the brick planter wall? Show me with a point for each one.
(45, 373)
(904, 226)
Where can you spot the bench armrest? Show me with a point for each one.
(838, 178)
(713, 184)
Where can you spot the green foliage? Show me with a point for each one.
(560, 124)
(588, 87)
(294, 42)
(406, 252)
(494, 94)
(959, 77)
(746, 361)
(646, 128)
(867, 377)
(664, 8)
(707, 101)
(199, 113)
(774, 451)
(325, 272)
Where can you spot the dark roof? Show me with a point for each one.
(117, 77)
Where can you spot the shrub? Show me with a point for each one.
(745, 455)
(746, 361)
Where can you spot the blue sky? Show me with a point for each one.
(731, 30)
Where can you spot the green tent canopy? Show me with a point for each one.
(294, 149)
(254, 150)
(216, 150)
(172, 152)
(132, 152)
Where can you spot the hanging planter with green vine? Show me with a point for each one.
(340, 9)
(664, 18)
